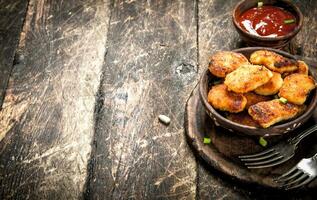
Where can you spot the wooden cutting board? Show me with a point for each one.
(226, 146)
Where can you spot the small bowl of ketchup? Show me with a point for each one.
(267, 23)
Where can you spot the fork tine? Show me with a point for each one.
(278, 162)
(264, 162)
(301, 184)
(286, 174)
(268, 165)
(288, 178)
(265, 156)
(296, 180)
(257, 154)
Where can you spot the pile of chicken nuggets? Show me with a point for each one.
(262, 91)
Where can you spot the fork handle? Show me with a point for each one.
(302, 135)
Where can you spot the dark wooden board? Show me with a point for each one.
(12, 14)
(46, 124)
(150, 69)
(225, 146)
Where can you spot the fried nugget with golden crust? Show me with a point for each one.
(273, 61)
(253, 98)
(302, 67)
(247, 78)
(271, 112)
(271, 87)
(220, 98)
(224, 62)
(296, 88)
(243, 118)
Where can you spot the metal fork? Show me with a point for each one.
(278, 153)
(304, 172)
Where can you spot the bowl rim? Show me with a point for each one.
(297, 13)
(310, 108)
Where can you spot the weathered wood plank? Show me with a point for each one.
(150, 69)
(47, 121)
(216, 32)
(12, 14)
(306, 40)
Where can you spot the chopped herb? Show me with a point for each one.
(283, 100)
(262, 142)
(260, 4)
(207, 140)
(289, 21)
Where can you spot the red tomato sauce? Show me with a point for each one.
(267, 21)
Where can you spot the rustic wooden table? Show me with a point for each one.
(83, 82)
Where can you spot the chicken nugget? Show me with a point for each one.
(273, 61)
(247, 78)
(220, 98)
(271, 87)
(224, 62)
(271, 112)
(253, 98)
(302, 67)
(296, 88)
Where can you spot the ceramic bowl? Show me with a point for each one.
(276, 42)
(278, 129)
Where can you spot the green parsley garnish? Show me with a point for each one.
(289, 21)
(283, 100)
(262, 142)
(260, 4)
(207, 140)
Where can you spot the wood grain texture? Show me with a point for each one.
(306, 41)
(46, 124)
(12, 14)
(79, 119)
(150, 69)
(216, 32)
